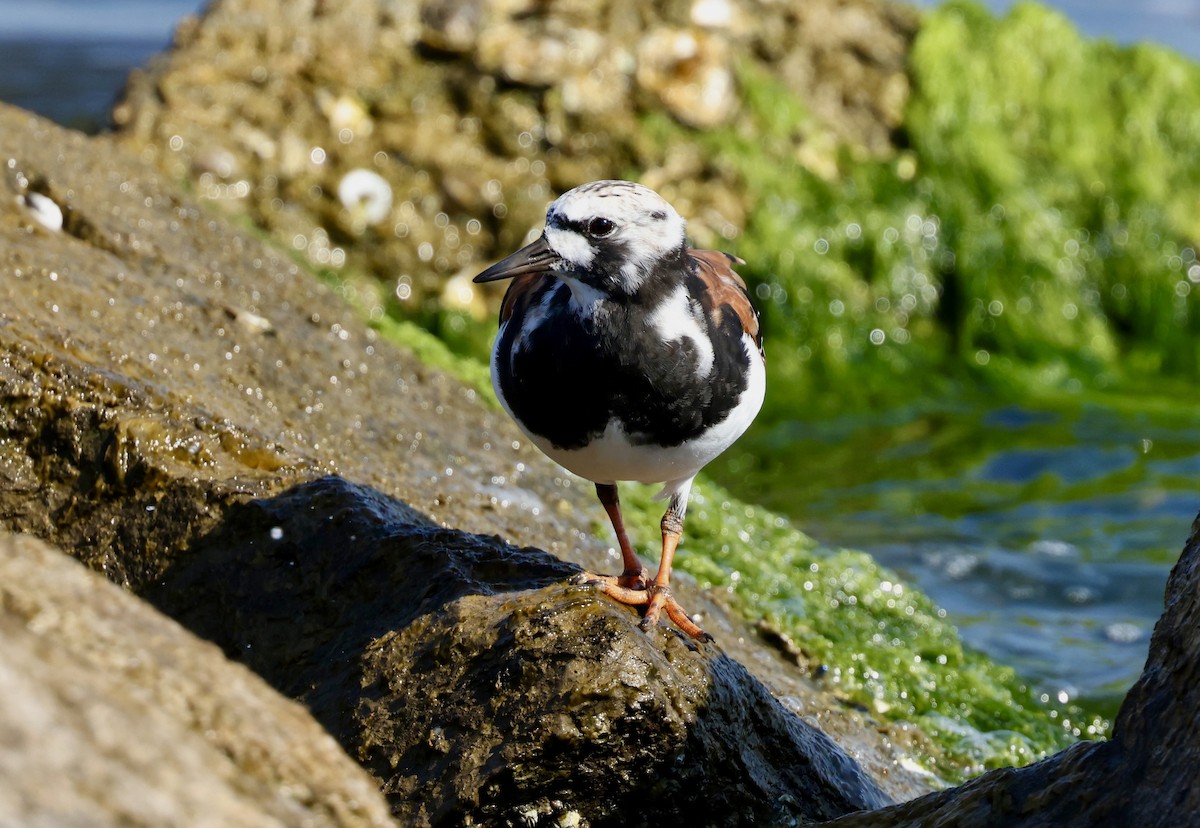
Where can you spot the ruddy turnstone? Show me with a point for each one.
(624, 354)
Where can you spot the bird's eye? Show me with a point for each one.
(598, 228)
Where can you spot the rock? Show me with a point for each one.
(159, 369)
(691, 73)
(1141, 776)
(113, 715)
(477, 113)
(157, 366)
(481, 689)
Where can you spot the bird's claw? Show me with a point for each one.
(661, 600)
(656, 598)
(628, 580)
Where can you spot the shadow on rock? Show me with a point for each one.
(113, 716)
(479, 687)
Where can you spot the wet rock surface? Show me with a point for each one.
(160, 369)
(1141, 776)
(480, 688)
(158, 365)
(113, 715)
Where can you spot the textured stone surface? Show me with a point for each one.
(159, 368)
(480, 688)
(477, 112)
(112, 715)
(157, 365)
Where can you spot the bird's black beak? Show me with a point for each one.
(532, 258)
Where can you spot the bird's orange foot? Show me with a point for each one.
(661, 600)
(630, 579)
(656, 599)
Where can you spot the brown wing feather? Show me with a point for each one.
(726, 289)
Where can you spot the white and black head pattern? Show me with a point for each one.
(604, 240)
(611, 235)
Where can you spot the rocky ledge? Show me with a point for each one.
(477, 686)
(191, 415)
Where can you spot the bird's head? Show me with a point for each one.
(606, 238)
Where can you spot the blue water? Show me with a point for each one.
(68, 59)
(1171, 23)
(95, 19)
(1046, 532)
(1050, 550)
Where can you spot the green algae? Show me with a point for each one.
(878, 641)
(1035, 231)
(1066, 183)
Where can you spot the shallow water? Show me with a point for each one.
(1047, 533)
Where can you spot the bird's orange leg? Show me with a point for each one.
(631, 586)
(661, 598)
(633, 579)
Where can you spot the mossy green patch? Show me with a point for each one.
(1065, 182)
(873, 637)
(1036, 234)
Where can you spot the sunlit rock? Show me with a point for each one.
(540, 53)
(690, 71)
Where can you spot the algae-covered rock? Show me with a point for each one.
(974, 197)
(113, 715)
(476, 113)
(1061, 171)
(480, 688)
(159, 365)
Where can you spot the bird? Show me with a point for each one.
(624, 354)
